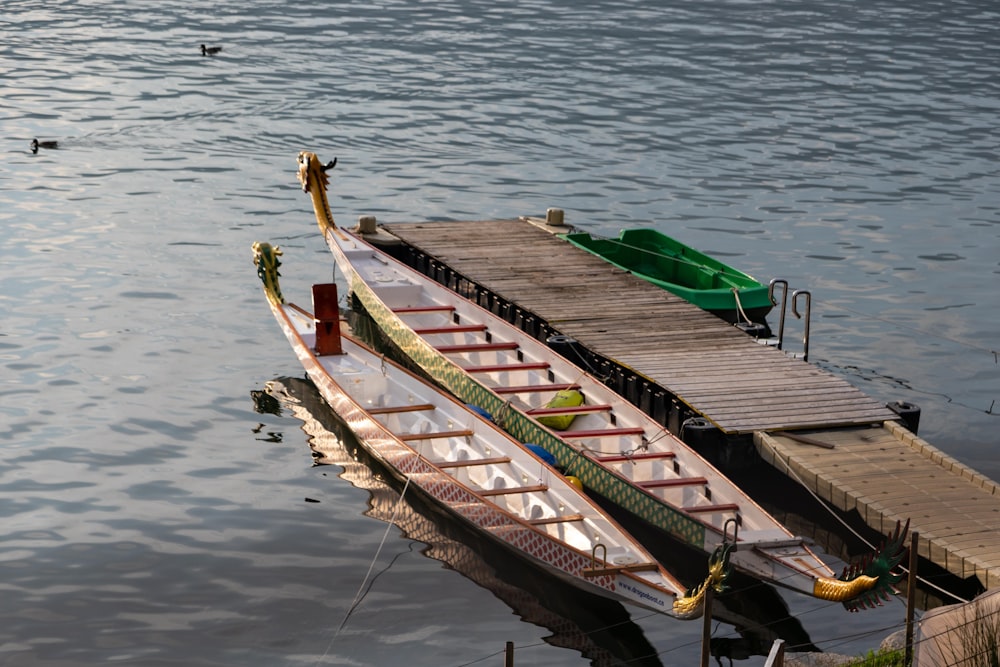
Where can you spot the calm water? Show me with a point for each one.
(154, 514)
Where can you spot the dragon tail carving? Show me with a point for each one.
(883, 566)
(868, 582)
(719, 568)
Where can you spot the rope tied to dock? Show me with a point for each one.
(500, 418)
(739, 305)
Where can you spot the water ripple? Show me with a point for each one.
(152, 517)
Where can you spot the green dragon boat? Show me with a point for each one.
(681, 270)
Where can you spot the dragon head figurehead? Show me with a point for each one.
(315, 181)
(265, 256)
(719, 569)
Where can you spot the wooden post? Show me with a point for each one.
(911, 598)
(776, 658)
(706, 628)
(554, 217)
(508, 660)
(327, 314)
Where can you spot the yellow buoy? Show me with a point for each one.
(575, 481)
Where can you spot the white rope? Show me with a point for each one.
(385, 536)
(739, 306)
(360, 596)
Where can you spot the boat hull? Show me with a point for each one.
(567, 612)
(681, 270)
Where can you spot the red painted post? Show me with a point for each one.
(327, 314)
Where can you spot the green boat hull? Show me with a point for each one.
(681, 270)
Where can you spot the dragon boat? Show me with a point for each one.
(568, 614)
(757, 613)
(452, 455)
(616, 451)
(690, 274)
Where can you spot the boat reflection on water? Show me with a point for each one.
(601, 630)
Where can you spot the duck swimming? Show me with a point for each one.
(210, 50)
(36, 144)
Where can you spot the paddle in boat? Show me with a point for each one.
(690, 274)
(614, 449)
(467, 464)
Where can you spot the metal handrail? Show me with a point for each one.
(795, 311)
(784, 304)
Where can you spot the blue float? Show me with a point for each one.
(479, 411)
(541, 453)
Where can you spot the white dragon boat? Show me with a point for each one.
(599, 629)
(467, 464)
(611, 446)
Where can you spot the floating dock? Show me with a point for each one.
(702, 365)
(887, 474)
(683, 365)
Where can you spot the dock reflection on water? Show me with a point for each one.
(600, 630)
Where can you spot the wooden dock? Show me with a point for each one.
(717, 371)
(817, 428)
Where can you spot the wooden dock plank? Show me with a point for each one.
(692, 354)
(888, 474)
